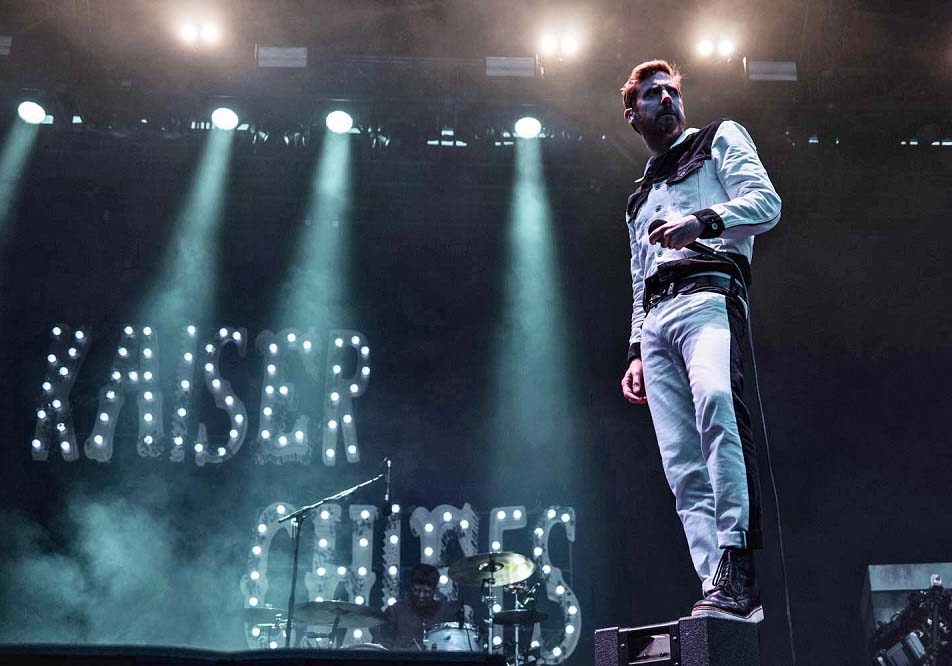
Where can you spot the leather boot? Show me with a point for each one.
(735, 595)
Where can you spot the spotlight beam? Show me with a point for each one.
(188, 280)
(534, 387)
(317, 290)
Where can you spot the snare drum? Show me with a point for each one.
(452, 637)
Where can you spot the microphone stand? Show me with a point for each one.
(297, 519)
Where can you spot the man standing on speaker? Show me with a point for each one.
(688, 326)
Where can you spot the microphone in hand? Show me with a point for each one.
(694, 246)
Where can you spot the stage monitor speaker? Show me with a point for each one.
(691, 641)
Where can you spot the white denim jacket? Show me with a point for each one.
(715, 174)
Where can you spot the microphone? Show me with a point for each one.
(700, 248)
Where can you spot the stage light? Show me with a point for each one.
(726, 47)
(573, 610)
(341, 571)
(31, 112)
(211, 33)
(528, 127)
(189, 32)
(569, 45)
(705, 48)
(464, 524)
(339, 122)
(256, 551)
(224, 118)
(393, 571)
(548, 44)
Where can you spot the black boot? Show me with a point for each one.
(735, 595)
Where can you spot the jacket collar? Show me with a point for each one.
(684, 135)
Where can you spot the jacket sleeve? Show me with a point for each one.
(754, 205)
(638, 290)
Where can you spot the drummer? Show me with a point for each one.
(410, 617)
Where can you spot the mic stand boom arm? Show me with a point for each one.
(297, 519)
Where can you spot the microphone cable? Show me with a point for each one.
(703, 249)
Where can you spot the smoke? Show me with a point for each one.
(120, 570)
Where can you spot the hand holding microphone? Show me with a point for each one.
(678, 234)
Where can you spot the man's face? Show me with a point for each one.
(658, 110)
(421, 594)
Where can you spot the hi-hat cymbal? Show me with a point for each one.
(263, 615)
(350, 616)
(504, 568)
(520, 616)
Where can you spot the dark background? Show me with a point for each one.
(850, 330)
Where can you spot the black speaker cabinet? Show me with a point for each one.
(691, 641)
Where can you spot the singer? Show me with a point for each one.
(688, 326)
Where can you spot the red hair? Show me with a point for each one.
(643, 72)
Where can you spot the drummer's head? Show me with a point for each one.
(423, 581)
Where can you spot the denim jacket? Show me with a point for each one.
(715, 174)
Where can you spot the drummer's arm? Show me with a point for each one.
(385, 633)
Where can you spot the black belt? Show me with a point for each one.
(689, 285)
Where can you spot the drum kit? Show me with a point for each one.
(488, 571)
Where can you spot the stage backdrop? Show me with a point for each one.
(469, 320)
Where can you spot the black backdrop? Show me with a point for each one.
(848, 320)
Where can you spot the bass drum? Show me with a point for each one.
(452, 637)
(367, 647)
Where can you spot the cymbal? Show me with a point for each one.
(263, 615)
(351, 616)
(520, 616)
(504, 568)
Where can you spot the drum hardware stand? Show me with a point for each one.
(297, 519)
(489, 598)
